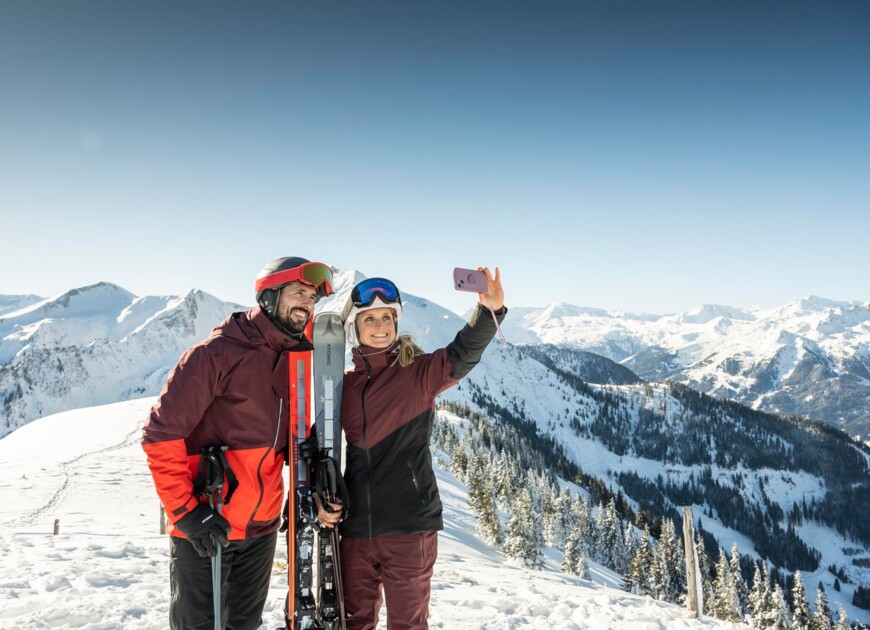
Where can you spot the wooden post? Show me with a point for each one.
(693, 601)
(56, 526)
(162, 520)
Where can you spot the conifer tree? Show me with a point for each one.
(759, 594)
(726, 603)
(629, 544)
(481, 499)
(668, 566)
(842, 620)
(524, 537)
(801, 616)
(610, 537)
(583, 568)
(554, 535)
(739, 582)
(704, 574)
(637, 579)
(585, 527)
(822, 616)
(599, 535)
(778, 614)
(571, 557)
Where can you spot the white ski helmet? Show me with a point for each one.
(366, 295)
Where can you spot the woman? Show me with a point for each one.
(389, 537)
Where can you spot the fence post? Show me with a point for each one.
(56, 526)
(693, 601)
(162, 520)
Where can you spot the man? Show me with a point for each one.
(231, 391)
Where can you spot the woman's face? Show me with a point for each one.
(377, 328)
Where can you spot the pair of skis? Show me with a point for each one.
(314, 595)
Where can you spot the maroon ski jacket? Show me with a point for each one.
(230, 390)
(387, 413)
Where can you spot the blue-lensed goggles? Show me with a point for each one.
(366, 291)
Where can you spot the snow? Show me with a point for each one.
(108, 566)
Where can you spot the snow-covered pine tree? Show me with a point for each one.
(822, 616)
(524, 537)
(554, 535)
(842, 620)
(778, 615)
(502, 478)
(572, 553)
(599, 536)
(629, 544)
(726, 602)
(459, 458)
(638, 577)
(704, 573)
(801, 617)
(759, 595)
(481, 499)
(610, 537)
(583, 567)
(739, 582)
(668, 572)
(585, 527)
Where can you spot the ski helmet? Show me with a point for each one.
(366, 295)
(278, 273)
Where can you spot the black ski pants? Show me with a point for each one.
(246, 566)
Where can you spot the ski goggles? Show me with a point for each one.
(314, 274)
(366, 291)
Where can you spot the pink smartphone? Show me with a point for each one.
(469, 280)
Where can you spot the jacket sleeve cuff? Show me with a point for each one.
(181, 511)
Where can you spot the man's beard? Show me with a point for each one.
(293, 326)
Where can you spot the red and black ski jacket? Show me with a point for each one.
(230, 390)
(387, 413)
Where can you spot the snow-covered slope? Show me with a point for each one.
(108, 567)
(810, 357)
(10, 303)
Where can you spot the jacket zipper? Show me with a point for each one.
(260, 466)
(414, 479)
(366, 448)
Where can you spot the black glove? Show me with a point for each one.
(203, 526)
(309, 451)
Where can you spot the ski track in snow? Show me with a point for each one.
(108, 567)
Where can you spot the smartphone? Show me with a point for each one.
(469, 280)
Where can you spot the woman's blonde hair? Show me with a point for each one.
(408, 351)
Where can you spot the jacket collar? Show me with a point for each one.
(275, 338)
(375, 358)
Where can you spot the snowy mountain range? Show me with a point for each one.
(662, 446)
(808, 358)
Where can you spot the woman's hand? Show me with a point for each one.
(494, 296)
(328, 518)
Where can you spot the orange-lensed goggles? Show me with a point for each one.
(314, 274)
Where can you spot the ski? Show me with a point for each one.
(328, 377)
(314, 599)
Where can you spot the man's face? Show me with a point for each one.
(295, 306)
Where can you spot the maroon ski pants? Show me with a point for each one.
(401, 564)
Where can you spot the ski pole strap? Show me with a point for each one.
(213, 468)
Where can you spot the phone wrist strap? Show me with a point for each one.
(501, 338)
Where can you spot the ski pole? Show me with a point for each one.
(216, 565)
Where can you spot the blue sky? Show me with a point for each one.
(644, 156)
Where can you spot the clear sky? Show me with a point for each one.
(645, 156)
